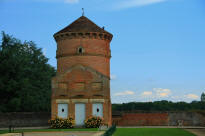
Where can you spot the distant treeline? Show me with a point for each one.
(159, 106)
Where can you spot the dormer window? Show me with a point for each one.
(80, 50)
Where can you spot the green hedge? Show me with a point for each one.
(110, 131)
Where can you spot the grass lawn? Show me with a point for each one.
(151, 132)
(48, 130)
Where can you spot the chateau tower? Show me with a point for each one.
(81, 87)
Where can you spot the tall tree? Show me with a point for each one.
(25, 81)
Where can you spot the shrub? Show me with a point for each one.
(93, 122)
(62, 123)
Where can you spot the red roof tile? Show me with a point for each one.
(82, 24)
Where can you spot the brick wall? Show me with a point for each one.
(96, 54)
(30, 119)
(159, 119)
(141, 119)
(24, 119)
(82, 75)
(188, 118)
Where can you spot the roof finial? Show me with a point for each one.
(82, 11)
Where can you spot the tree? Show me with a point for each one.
(25, 81)
(158, 106)
(203, 97)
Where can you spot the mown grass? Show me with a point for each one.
(48, 130)
(152, 132)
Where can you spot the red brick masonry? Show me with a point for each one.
(142, 119)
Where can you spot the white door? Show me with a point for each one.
(63, 110)
(79, 114)
(98, 109)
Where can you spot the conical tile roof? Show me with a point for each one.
(83, 24)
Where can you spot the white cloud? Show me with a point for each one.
(113, 77)
(160, 92)
(147, 93)
(124, 93)
(192, 96)
(177, 98)
(71, 1)
(187, 98)
(135, 3)
(155, 94)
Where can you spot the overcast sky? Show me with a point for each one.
(158, 48)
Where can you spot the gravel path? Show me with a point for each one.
(63, 133)
(56, 134)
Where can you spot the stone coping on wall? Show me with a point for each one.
(62, 101)
(80, 100)
(97, 100)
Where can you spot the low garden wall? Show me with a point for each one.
(186, 119)
(24, 119)
(141, 119)
(32, 119)
(159, 119)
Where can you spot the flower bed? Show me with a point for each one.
(93, 122)
(62, 123)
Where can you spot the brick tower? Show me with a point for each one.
(81, 87)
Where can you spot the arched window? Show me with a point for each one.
(80, 50)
